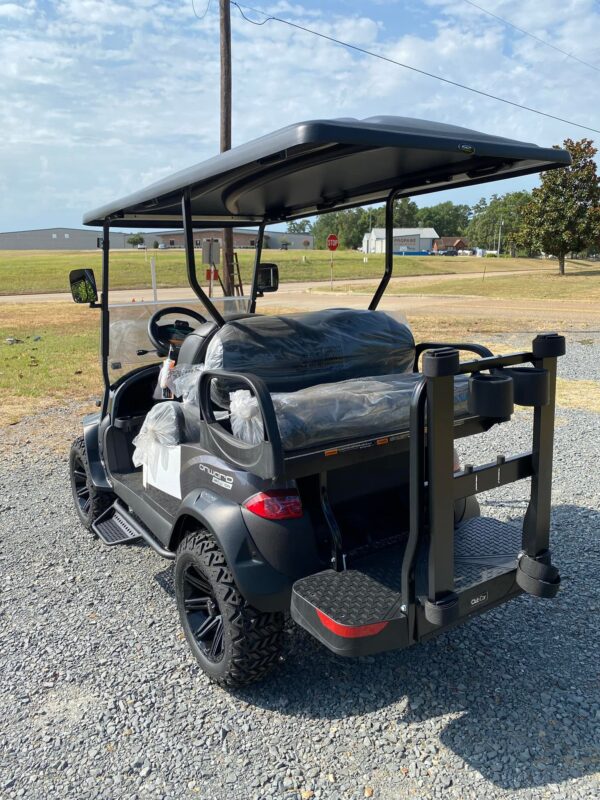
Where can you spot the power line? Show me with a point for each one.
(205, 10)
(532, 35)
(364, 51)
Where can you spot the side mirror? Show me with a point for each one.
(267, 278)
(83, 285)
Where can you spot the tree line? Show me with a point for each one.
(559, 217)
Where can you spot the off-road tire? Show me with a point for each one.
(97, 502)
(251, 639)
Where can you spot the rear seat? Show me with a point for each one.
(301, 350)
(297, 351)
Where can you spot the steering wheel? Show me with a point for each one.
(163, 336)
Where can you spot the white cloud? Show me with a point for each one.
(12, 11)
(103, 96)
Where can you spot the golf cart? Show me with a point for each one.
(304, 463)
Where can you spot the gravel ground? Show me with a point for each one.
(100, 697)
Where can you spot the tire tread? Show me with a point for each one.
(255, 635)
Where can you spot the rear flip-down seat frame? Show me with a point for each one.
(529, 378)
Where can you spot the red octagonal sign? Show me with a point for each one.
(332, 242)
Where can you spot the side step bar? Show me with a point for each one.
(117, 526)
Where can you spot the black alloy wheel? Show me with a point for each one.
(89, 502)
(203, 615)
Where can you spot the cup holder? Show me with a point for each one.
(531, 385)
(491, 395)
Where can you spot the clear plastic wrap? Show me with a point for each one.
(185, 382)
(297, 351)
(246, 420)
(162, 427)
(328, 413)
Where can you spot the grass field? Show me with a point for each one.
(56, 356)
(38, 271)
(581, 282)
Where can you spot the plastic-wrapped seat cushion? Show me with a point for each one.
(296, 351)
(330, 413)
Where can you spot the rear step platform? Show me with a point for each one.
(359, 611)
(114, 528)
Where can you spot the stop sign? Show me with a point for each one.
(332, 242)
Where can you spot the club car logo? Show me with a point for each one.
(222, 480)
(481, 598)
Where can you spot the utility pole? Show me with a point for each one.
(225, 30)
(500, 236)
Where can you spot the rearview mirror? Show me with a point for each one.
(83, 286)
(267, 278)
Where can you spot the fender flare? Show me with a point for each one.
(91, 427)
(259, 583)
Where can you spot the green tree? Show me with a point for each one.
(563, 215)
(299, 226)
(406, 214)
(503, 214)
(350, 227)
(448, 219)
(136, 239)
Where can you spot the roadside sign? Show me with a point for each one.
(211, 252)
(332, 244)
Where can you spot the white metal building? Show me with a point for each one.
(408, 241)
(61, 239)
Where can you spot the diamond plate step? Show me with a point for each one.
(358, 611)
(113, 528)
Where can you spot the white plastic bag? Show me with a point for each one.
(160, 428)
(246, 419)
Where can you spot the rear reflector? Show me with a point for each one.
(275, 504)
(350, 631)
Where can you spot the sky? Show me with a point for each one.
(102, 97)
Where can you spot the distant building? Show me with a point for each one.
(90, 239)
(407, 241)
(450, 243)
(242, 237)
(61, 239)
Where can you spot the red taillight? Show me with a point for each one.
(275, 504)
(350, 631)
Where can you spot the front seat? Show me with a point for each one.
(193, 349)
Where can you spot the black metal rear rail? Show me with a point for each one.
(434, 486)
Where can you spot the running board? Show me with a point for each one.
(117, 526)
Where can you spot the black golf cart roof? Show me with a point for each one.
(323, 165)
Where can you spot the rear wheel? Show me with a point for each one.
(234, 643)
(89, 502)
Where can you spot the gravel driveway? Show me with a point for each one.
(100, 698)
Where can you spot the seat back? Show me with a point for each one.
(300, 350)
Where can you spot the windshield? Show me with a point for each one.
(129, 328)
(145, 281)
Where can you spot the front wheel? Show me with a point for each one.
(234, 643)
(89, 502)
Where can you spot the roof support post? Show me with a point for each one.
(190, 259)
(389, 251)
(257, 257)
(104, 315)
